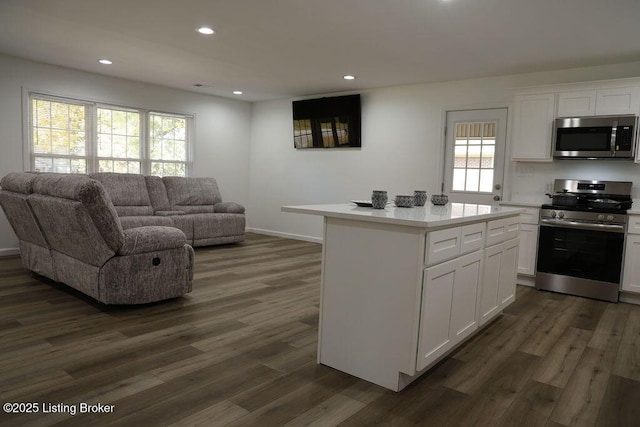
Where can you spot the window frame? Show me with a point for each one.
(91, 132)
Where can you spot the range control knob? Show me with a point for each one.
(561, 214)
(600, 217)
(609, 217)
(553, 214)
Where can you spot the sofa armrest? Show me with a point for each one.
(169, 213)
(228, 207)
(151, 238)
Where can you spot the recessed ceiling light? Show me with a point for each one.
(349, 77)
(205, 30)
(105, 61)
(237, 92)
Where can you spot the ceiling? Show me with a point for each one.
(288, 48)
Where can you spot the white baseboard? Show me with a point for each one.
(9, 252)
(629, 298)
(285, 235)
(526, 280)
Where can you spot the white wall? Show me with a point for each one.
(249, 148)
(402, 139)
(222, 126)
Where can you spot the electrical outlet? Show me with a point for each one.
(523, 170)
(547, 187)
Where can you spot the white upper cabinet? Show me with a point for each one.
(617, 101)
(601, 102)
(579, 103)
(532, 127)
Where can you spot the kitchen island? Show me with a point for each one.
(402, 287)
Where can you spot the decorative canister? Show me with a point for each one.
(405, 201)
(379, 199)
(439, 199)
(420, 197)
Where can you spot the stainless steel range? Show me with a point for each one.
(581, 241)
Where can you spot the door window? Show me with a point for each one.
(474, 155)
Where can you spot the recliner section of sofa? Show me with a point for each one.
(213, 221)
(72, 223)
(34, 249)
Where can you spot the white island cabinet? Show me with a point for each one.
(402, 287)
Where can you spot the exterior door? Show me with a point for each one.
(474, 155)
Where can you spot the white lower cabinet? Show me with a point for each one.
(528, 249)
(508, 273)
(396, 299)
(498, 279)
(449, 303)
(488, 298)
(631, 272)
(528, 252)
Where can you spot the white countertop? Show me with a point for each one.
(526, 204)
(635, 207)
(425, 217)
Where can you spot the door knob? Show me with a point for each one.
(496, 198)
(498, 186)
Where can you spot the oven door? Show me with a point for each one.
(581, 252)
(580, 259)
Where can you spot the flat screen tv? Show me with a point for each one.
(332, 122)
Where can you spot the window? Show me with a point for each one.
(168, 145)
(474, 153)
(58, 136)
(119, 141)
(70, 136)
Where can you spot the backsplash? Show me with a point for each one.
(529, 181)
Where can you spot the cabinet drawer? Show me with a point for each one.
(442, 245)
(501, 230)
(634, 224)
(472, 237)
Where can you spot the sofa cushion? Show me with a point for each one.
(192, 195)
(228, 207)
(128, 192)
(170, 213)
(207, 225)
(140, 278)
(155, 238)
(70, 229)
(185, 224)
(145, 221)
(79, 205)
(21, 218)
(18, 182)
(157, 193)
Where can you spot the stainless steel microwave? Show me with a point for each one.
(606, 137)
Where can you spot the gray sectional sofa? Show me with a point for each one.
(119, 238)
(194, 205)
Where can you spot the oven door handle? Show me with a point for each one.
(614, 228)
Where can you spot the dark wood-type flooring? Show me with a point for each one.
(241, 350)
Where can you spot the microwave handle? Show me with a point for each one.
(612, 143)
